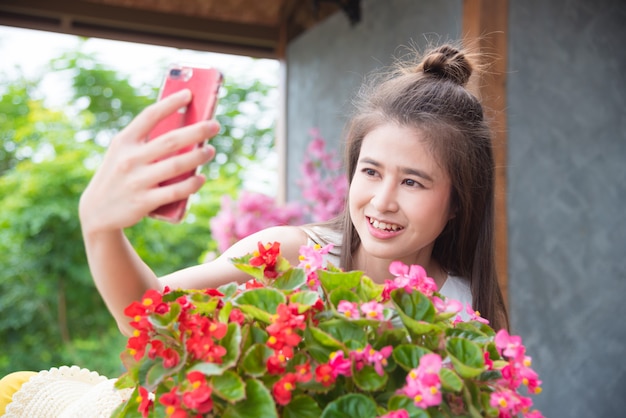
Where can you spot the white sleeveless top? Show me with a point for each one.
(453, 288)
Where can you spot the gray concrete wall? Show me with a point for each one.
(326, 65)
(566, 107)
(567, 198)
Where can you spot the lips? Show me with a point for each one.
(384, 226)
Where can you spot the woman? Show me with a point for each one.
(421, 171)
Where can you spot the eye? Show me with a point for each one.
(413, 183)
(369, 172)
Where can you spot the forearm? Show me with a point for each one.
(120, 275)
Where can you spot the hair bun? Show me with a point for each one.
(447, 63)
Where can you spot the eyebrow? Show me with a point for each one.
(404, 170)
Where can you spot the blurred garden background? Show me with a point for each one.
(56, 120)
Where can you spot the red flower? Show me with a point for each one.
(266, 256)
(171, 402)
(283, 388)
(303, 372)
(137, 344)
(145, 403)
(236, 316)
(213, 292)
(199, 397)
(276, 363)
(324, 375)
(253, 284)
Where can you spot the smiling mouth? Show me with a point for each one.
(383, 226)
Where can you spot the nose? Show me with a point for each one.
(384, 198)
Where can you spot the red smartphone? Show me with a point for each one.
(204, 84)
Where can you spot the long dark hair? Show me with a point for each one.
(431, 95)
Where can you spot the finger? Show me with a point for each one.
(179, 139)
(174, 192)
(177, 165)
(140, 127)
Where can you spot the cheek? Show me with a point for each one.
(355, 198)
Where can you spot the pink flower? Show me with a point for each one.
(509, 403)
(378, 358)
(411, 278)
(373, 310)
(423, 384)
(447, 306)
(400, 413)
(475, 315)
(349, 309)
(509, 345)
(323, 184)
(339, 364)
(251, 213)
(311, 260)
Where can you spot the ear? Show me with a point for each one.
(452, 211)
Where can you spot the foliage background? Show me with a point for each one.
(50, 311)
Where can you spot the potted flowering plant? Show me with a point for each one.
(308, 341)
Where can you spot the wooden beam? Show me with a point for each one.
(485, 27)
(82, 18)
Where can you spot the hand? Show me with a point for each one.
(126, 186)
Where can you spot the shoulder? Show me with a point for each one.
(457, 288)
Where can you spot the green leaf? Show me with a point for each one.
(257, 403)
(368, 380)
(156, 374)
(301, 406)
(128, 409)
(127, 380)
(291, 280)
(468, 334)
(467, 357)
(306, 299)
(232, 343)
(368, 290)
(229, 386)
(228, 290)
(256, 272)
(393, 337)
(416, 311)
(403, 402)
(337, 280)
(166, 319)
(338, 295)
(224, 314)
(320, 344)
(263, 301)
(344, 331)
(450, 380)
(209, 369)
(255, 360)
(408, 355)
(351, 406)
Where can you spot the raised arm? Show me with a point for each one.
(125, 189)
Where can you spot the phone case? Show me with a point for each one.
(204, 84)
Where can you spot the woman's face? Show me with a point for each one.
(399, 198)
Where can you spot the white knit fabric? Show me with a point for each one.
(66, 392)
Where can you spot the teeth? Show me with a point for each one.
(384, 226)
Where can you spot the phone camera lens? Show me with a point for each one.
(175, 72)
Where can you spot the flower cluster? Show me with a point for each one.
(252, 212)
(323, 183)
(315, 341)
(323, 187)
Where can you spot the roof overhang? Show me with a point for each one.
(257, 28)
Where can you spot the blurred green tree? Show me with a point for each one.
(50, 311)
